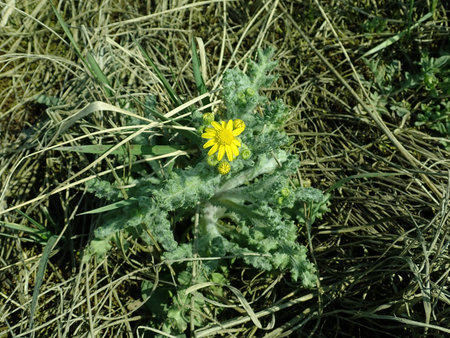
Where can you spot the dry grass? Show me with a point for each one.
(382, 250)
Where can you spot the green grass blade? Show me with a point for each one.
(397, 37)
(90, 62)
(19, 227)
(69, 35)
(31, 220)
(41, 233)
(385, 44)
(134, 149)
(40, 277)
(433, 6)
(39, 236)
(201, 87)
(170, 91)
(197, 72)
(112, 206)
(99, 75)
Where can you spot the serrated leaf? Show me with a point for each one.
(236, 207)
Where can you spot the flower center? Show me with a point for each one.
(225, 137)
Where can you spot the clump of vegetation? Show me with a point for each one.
(430, 84)
(251, 211)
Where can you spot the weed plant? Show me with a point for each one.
(242, 207)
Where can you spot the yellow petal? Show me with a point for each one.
(229, 153)
(220, 153)
(216, 125)
(210, 130)
(223, 124)
(234, 149)
(230, 125)
(209, 143)
(237, 142)
(213, 149)
(237, 131)
(208, 135)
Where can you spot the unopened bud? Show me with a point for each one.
(246, 154)
(212, 160)
(285, 192)
(224, 168)
(250, 91)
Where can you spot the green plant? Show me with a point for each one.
(374, 25)
(434, 75)
(250, 213)
(436, 117)
(389, 88)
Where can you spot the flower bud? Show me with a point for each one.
(285, 192)
(246, 153)
(241, 97)
(224, 168)
(212, 160)
(250, 91)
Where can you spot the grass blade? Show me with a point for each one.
(99, 75)
(397, 37)
(134, 149)
(197, 72)
(69, 35)
(112, 206)
(198, 75)
(170, 91)
(40, 277)
(90, 62)
(32, 221)
(40, 236)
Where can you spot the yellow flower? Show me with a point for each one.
(222, 138)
